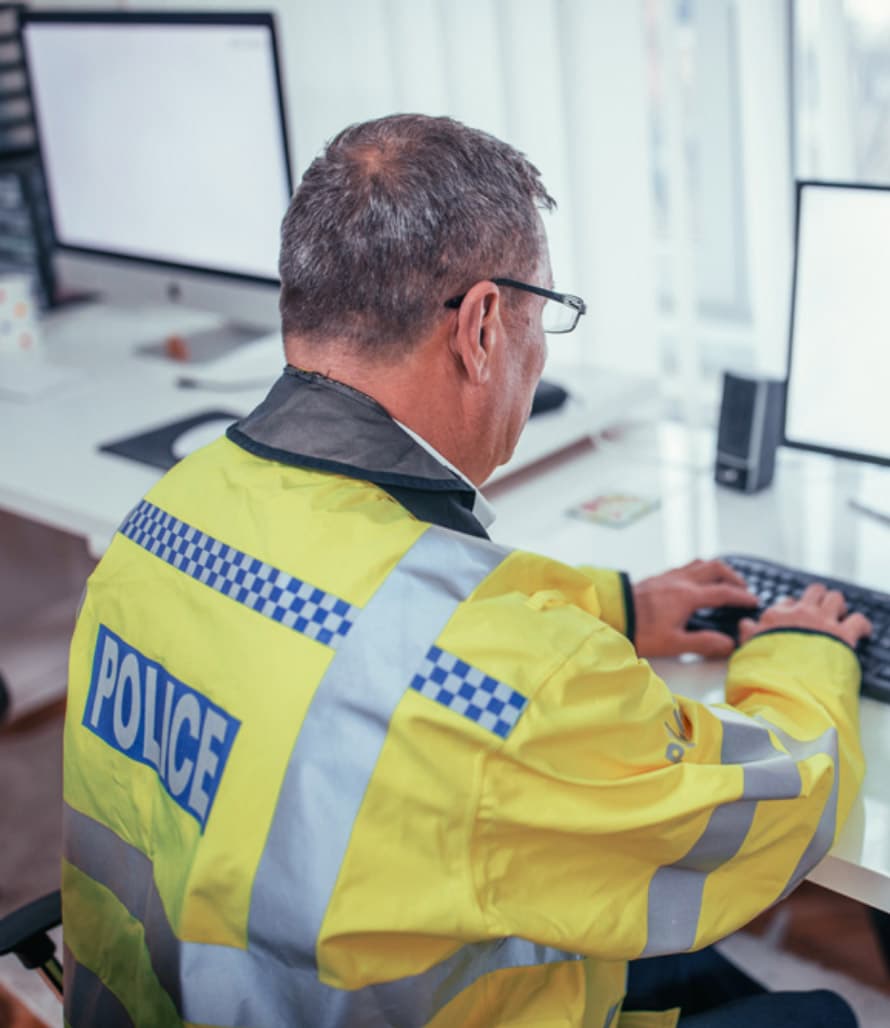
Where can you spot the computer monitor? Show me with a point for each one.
(839, 350)
(165, 152)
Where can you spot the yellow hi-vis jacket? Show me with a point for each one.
(328, 764)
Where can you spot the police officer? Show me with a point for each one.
(333, 757)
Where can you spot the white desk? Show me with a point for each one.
(52, 471)
(802, 520)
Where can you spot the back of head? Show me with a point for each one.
(395, 216)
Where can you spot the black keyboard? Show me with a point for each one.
(770, 581)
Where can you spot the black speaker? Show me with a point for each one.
(750, 429)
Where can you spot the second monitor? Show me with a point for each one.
(839, 357)
(165, 151)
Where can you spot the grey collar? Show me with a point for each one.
(312, 421)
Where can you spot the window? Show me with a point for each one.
(842, 89)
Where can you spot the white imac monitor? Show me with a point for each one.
(837, 397)
(165, 154)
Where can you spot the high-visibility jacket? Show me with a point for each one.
(328, 763)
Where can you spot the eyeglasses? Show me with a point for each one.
(561, 311)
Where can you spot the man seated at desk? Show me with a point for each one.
(332, 757)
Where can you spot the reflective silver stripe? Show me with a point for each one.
(253, 988)
(471, 963)
(343, 732)
(127, 872)
(675, 891)
(744, 739)
(88, 1002)
(821, 842)
(610, 1015)
(223, 985)
(769, 774)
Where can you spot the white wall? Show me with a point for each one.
(563, 80)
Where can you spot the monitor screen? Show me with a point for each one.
(162, 137)
(839, 357)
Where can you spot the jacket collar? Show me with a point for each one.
(310, 421)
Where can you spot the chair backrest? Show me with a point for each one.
(25, 933)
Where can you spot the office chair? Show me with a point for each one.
(24, 932)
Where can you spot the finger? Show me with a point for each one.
(724, 596)
(708, 644)
(813, 593)
(785, 601)
(747, 628)
(833, 602)
(855, 627)
(715, 571)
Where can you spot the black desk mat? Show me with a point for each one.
(155, 445)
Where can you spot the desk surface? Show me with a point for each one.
(803, 520)
(53, 472)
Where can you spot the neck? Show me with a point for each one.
(419, 388)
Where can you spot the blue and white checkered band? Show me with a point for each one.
(269, 591)
(467, 690)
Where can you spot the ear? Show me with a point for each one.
(478, 331)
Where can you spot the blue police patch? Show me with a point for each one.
(138, 708)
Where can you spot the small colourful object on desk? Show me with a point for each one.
(18, 315)
(614, 509)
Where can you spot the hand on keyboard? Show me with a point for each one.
(664, 603)
(772, 583)
(818, 608)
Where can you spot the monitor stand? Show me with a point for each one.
(205, 345)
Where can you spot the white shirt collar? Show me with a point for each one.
(482, 509)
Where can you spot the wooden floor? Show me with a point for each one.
(31, 812)
(830, 930)
(14, 1015)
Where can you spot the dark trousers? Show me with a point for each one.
(713, 993)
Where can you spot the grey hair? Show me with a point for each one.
(394, 217)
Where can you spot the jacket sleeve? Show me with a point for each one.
(616, 599)
(619, 820)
